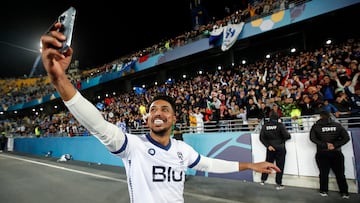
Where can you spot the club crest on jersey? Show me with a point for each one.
(180, 155)
(151, 151)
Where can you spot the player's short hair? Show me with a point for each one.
(165, 98)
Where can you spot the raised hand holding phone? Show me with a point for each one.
(67, 19)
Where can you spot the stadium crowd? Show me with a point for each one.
(19, 90)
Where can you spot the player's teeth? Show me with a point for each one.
(158, 121)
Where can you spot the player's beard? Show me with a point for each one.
(160, 132)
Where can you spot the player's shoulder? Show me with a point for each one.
(136, 138)
(177, 141)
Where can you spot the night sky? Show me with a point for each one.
(104, 30)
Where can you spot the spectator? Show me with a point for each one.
(37, 131)
(306, 106)
(355, 106)
(329, 107)
(296, 120)
(328, 87)
(317, 101)
(199, 117)
(252, 113)
(275, 109)
(192, 121)
(342, 104)
(215, 106)
(264, 110)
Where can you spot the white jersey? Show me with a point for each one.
(156, 173)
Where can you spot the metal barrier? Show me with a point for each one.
(302, 124)
(209, 126)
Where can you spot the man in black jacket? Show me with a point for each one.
(273, 136)
(329, 136)
(3, 141)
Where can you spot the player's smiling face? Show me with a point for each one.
(161, 117)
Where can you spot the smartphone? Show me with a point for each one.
(67, 19)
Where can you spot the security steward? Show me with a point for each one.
(273, 135)
(329, 136)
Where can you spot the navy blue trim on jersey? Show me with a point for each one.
(167, 147)
(122, 147)
(195, 162)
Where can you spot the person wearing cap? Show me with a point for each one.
(329, 136)
(273, 136)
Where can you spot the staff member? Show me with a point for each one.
(329, 136)
(273, 136)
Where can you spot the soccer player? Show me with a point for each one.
(155, 163)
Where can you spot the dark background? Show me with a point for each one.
(104, 30)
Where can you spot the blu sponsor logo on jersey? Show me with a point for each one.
(163, 174)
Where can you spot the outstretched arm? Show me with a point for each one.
(223, 166)
(86, 113)
(260, 167)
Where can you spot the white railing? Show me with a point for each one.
(302, 124)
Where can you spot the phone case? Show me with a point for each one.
(67, 19)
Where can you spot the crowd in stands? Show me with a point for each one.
(325, 78)
(293, 85)
(17, 91)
